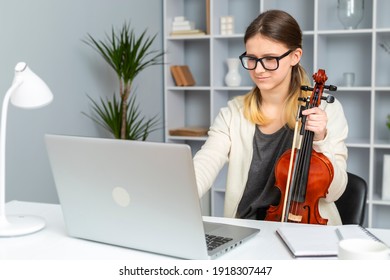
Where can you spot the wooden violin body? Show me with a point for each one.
(304, 207)
(303, 175)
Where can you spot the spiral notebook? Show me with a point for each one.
(318, 240)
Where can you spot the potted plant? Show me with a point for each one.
(127, 55)
(388, 121)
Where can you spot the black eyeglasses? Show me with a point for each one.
(270, 63)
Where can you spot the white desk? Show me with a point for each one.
(52, 243)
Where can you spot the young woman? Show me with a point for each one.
(254, 130)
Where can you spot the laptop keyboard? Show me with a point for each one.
(214, 241)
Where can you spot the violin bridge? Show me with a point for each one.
(294, 218)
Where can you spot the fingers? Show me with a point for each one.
(316, 121)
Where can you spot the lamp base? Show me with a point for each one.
(21, 225)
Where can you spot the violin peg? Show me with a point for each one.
(328, 99)
(331, 88)
(306, 88)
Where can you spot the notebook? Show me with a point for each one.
(135, 194)
(318, 240)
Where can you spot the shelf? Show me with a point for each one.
(382, 144)
(188, 37)
(326, 45)
(192, 88)
(351, 89)
(383, 30)
(381, 202)
(232, 36)
(358, 143)
(343, 32)
(186, 138)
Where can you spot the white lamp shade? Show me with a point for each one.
(33, 91)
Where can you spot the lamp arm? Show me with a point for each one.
(4, 110)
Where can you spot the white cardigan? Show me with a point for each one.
(230, 141)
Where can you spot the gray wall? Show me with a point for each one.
(47, 34)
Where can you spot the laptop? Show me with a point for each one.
(135, 194)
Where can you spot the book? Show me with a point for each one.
(189, 131)
(182, 75)
(187, 32)
(182, 23)
(180, 26)
(179, 18)
(318, 240)
(177, 78)
(189, 79)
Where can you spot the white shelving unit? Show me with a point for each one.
(326, 45)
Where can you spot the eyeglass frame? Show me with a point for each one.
(261, 60)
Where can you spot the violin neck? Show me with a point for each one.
(302, 167)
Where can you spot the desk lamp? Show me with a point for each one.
(27, 91)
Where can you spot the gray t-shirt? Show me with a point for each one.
(260, 191)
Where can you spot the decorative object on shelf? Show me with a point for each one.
(227, 25)
(386, 178)
(233, 77)
(350, 12)
(182, 75)
(182, 26)
(388, 122)
(27, 91)
(189, 131)
(349, 79)
(127, 55)
(385, 46)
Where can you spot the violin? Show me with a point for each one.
(303, 175)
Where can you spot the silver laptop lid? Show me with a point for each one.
(120, 192)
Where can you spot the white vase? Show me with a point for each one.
(233, 78)
(386, 178)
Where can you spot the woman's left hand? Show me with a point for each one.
(316, 120)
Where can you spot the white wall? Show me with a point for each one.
(47, 34)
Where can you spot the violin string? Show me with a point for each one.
(300, 168)
(303, 158)
(293, 183)
(295, 188)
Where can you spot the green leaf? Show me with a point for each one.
(388, 121)
(107, 113)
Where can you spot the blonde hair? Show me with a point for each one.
(252, 101)
(280, 27)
